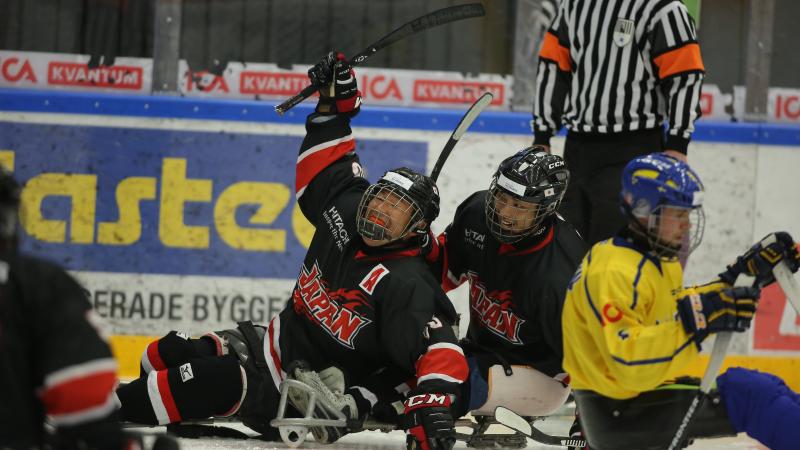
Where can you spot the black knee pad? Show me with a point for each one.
(197, 389)
(171, 350)
(210, 386)
(136, 406)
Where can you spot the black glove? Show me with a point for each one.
(338, 89)
(729, 309)
(429, 247)
(762, 257)
(428, 421)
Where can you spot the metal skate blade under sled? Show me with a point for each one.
(293, 430)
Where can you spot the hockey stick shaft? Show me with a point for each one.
(433, 19)
(788, 284)
(510, 419)
(472, 113)
(714, 364)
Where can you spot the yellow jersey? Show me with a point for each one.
(622, 334)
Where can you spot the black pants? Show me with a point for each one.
(595, 162)
(649, 421)
(191, 382)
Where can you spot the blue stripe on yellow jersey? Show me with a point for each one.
(621, 331)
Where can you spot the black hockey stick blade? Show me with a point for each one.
(721, 344)
(510, 419)
(433, 19)
(472, 113)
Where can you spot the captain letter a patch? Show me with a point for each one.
(373, 277)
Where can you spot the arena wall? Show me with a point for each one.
(179, 213)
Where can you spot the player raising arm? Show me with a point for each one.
(365, 300)
(631, 324)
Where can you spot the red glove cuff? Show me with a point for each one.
(349, 104)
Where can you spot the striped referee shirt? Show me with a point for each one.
(610, 66)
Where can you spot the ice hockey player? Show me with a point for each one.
(631, 325)
(54, 361)
(517, 255)
(365, 300)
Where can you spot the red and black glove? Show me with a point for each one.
(428, 422)
(762, 257)
(338, 89)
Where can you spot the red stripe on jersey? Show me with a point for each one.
(166, 397)
(275, 359)
(510, 250)
(443, 361)
(447, 283)
(154, 357)
(361, 255)
(313, 164)
(78, 394)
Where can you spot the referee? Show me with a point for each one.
(613, 72)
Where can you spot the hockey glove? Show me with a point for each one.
(762, 257)
(429, 423)
(430, 247)
(338, 89)
(729, 309)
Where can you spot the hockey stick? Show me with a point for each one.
(434, 19)
(469, 117)
(714, 363)
(788, 283)
(510, 419)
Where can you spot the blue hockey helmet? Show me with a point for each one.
(654, 182)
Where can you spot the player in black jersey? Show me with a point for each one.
(518, 256)
(53, 360)
(365, 301)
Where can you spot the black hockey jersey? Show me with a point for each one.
(516, 292)
(52, 359)
(363, 309)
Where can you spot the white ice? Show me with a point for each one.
(396, 440)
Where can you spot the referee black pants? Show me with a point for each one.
(595, 162)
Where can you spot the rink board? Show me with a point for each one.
(180, 213)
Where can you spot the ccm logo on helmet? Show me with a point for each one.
(555, 164)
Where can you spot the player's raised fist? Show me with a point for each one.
(337, 85)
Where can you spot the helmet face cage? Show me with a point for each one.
(526, 189)
(659, 222)
(510, 221)
(663, 197)
(380, 207)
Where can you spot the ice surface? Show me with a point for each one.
(395, 440)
